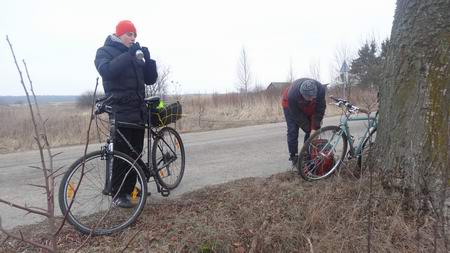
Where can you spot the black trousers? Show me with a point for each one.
(293, 128)
(122, 175)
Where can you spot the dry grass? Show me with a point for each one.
(281, 213)
(67, 124)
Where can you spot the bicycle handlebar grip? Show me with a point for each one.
(333, 98)
(363, 110)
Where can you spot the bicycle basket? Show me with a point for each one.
(321, 157)
(166, 115)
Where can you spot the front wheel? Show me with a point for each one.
(92, 209)
(322, 153)
(168, 158)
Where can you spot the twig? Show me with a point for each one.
(24, 208)
(35, 167)
(48, 181)
(22, 238)
(4, 241)
(369, 220)
(84, 161)
(256, 238)
(55, 171)
(131, 239)
(311, 249)
(37, 185)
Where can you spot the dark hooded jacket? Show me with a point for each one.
(308, 114)
(124, 78)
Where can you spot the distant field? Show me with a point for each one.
(9, 100)
(67, 124)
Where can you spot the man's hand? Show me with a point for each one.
(135, 47)
(313, 131)
(146, 53)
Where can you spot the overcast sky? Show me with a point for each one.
(199, 40)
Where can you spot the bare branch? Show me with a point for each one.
(35, 167)
(22, 238)
(84, 161)
(36, 185)
(243, 72)
(131, 239)
(56, 171)
(4, 241)
(54, 155)
(24, 208)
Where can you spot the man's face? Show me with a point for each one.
(128, 38)
(308, 98)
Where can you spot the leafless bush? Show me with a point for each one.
(86, 98)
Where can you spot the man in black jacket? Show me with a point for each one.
(304, 107)
(125, 68)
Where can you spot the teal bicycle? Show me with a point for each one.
(325, 150)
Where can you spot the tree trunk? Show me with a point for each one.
(413, 133)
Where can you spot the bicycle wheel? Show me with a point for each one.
(92, 210)
(322, 154)
(366, 148)
(168, 158)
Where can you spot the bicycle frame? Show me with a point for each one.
(343, 124)
(108, 149)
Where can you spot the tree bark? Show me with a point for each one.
(413, 133)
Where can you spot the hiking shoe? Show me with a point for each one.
(294, 160)
(124, 201)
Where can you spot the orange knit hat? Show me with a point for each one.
(125, 26)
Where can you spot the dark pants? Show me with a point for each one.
(136, 138)
(292, 132)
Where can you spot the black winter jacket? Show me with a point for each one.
(124, 77)
(302, 110)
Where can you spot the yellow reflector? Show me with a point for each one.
(134, 193)
(70, 190)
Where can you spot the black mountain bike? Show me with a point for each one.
(86, 189)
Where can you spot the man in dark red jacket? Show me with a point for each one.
(304, 107)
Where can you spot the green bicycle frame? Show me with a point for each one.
(372, 121)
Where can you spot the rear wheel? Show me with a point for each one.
(322, 153)
(366, 149)
(92, 209)
(168, 158)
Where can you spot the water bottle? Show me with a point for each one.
(139, 54)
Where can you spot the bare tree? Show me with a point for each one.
(290, 76)
(314, 70)
(46, 167)
(243, 72)
(413, 137)
(343, 54)
(160, 88)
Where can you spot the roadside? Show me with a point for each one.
(281, 213)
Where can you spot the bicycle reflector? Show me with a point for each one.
(321, 157)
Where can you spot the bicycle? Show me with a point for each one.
(323, 153)
(88, 189)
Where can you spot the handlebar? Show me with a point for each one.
(347, 105)
(101, 105)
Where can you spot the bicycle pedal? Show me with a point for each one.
(165, 192)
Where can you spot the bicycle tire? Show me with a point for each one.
(336, 148)
(366, 147)
(93, 211)
(168, 158)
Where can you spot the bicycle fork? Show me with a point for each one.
(107, 152)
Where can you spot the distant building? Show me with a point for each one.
(277, 87)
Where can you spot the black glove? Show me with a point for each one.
(146, 53)
(135, 47)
